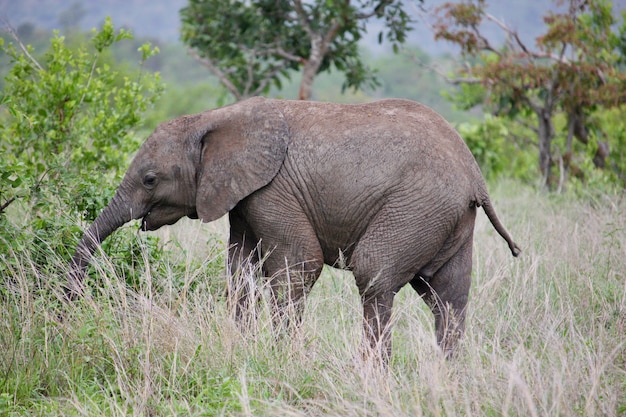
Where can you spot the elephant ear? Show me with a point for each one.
(242, 150)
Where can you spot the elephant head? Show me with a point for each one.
(198, 166)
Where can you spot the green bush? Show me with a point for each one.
(67, 123)
(496, 154)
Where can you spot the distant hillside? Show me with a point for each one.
(152, 18)
(160, 18)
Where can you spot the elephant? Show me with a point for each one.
(387, 190)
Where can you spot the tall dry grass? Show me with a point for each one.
(546, 334)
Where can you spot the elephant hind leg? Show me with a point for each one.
(446, 293)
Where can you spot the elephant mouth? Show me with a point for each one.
(158, 216)
(150, 223)
(144, 223)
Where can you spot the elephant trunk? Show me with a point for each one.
(114, 216)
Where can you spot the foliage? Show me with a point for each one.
(497, 155)
(607, 127)
(66, 134)
(252, 46)
(502, 148)
(577, 70)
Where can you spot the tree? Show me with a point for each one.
(252, 45)
(576, 68)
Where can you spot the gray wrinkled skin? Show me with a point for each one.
(388, 187)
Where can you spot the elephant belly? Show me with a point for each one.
(340, 224)
(337, 253)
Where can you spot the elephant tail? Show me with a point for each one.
(495, 221)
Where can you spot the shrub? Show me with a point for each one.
(66, 132)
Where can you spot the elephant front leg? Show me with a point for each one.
(243, 269)
(377, 310)
(446, 293)
(292, 255)
(290, 282)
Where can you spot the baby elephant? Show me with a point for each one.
(389, 187)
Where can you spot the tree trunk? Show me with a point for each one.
(308, 77)
(546, 133)
(311, 66)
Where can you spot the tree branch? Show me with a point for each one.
(13, 34)
(453, 81)
(525, 124)
(522, 46)
(330, 35)
(6, 204)
(221, 75)
(284, 54)
(250, 68)
(379, 10)
(536, 108)
(302, 17)
(264, 83)
(484, 44)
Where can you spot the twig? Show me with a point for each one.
(453, 81)
(13, 34)
(267, 80)
(513, 33)
(6, 204)
(376, 11)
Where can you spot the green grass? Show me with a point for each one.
(546, 334)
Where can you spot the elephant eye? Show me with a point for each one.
(149, 180)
